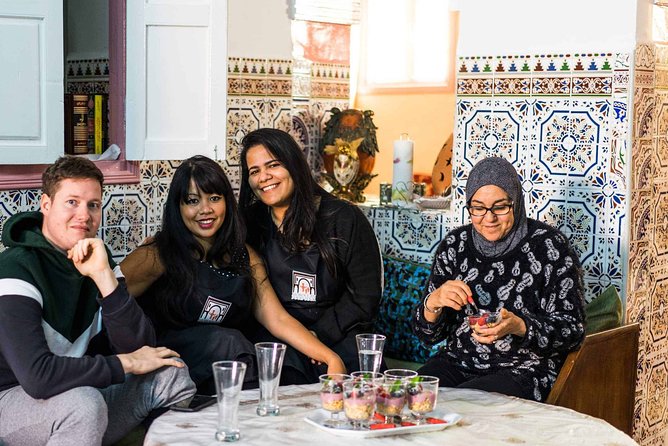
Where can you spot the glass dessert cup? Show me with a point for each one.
(484, 318)
(367, 376)
(400, 374)
(359, 399)
(421, 395)
(390, 399)
(331, 397)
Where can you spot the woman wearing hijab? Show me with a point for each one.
(502, 261)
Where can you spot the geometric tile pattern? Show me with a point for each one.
(408, 233)
(291, 95)
(647, 284)
(561, 121)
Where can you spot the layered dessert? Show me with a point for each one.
(390, 400)
(358, 404)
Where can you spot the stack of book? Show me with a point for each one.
(86, 123)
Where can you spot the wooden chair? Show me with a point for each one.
(599, 379)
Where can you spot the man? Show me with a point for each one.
(63, 311)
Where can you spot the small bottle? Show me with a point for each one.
(385, 194)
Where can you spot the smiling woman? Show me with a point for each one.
(201, 285)
(521, 269)
(321, 253)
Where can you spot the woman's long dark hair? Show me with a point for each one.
(299, 224)
(178, 248)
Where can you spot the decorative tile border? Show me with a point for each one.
(86, 68)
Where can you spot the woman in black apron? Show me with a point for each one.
(201, 285)
(321, 253)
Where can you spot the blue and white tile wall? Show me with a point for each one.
(561, 121)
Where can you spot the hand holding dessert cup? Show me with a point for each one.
(359, 400)
(421, 395)
(331, 396)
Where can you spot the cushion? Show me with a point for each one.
(604, 312)
(405, 282)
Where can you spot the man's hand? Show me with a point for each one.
(148, 359)
(90, 259)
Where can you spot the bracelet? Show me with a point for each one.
(429, 310)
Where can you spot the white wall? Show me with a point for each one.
(259, 29)
(515, 27)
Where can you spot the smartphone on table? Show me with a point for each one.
(194, 403)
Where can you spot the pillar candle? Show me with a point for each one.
(402, 172)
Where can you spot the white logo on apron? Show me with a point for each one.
(303, 286)
(214, 311)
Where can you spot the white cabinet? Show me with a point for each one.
(176, 78)
(31, 81)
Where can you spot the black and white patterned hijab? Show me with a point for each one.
(501, 173)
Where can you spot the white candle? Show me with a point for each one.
(402, 172)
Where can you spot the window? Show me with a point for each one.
(407, 44)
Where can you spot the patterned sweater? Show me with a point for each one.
(540, 281)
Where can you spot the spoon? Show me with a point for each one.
(472, 303)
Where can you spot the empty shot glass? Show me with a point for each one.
(269, 362)
(228, 377)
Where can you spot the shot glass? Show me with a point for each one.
(228, 377)
(269, 361)
(370, 350)
(421, 395)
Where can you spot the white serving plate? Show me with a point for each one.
(319, 416)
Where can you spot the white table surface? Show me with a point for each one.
(487, 419)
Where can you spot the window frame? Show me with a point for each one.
(448, 86)
(121, 171)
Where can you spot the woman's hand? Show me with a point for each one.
(509, 324)
(453, 294)
(335, 365)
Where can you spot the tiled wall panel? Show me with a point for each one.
(647, 285)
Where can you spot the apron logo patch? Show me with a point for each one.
(214, 311)
(303, 286)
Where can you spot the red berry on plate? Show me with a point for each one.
(381, 426)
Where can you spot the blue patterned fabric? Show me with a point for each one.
(405, 282)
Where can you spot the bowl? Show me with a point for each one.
(485, 318)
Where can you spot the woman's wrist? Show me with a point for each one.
(428, 309)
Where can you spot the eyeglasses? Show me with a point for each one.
(499, 209)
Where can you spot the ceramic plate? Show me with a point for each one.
(318, 417)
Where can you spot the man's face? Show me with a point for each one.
(73, 212)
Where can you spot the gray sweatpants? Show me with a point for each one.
(89, 416)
